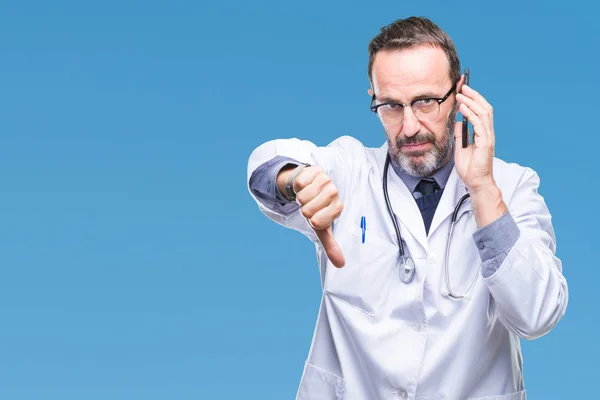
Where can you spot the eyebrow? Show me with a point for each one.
(422, 95)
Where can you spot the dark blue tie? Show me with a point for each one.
(427, 194)
(427, 186)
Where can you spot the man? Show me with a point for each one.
(449, 328)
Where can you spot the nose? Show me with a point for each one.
(410, 124)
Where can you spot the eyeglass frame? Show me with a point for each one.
(439, 100)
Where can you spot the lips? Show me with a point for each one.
(415, 146)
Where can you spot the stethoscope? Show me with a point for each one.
(407, 266)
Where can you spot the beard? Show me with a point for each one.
(424, 163)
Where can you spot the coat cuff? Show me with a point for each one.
(263, 183)
(494, 241)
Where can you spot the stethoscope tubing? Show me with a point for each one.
(407, 261)
(389, 206)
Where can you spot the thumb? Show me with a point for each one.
(331, 246)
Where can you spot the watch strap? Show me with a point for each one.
(289, 187)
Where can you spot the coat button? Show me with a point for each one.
(481, 245)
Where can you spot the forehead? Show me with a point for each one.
(402, 73)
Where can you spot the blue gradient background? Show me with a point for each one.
(133, 262)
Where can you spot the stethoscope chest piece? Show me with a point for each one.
(407, 269)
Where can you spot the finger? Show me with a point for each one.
(473, 105)
(472, 93)
(323, 199)
(482, 112)
(478, 104)
(325, 216)
(482, 138)
(475, 95)
(305, 178)
(331, 247)
(312, 190)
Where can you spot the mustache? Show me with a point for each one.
(418, 138)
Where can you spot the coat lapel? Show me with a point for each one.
(453, 191)
(403, 203)
(406, 209)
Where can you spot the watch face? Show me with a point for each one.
(289, 193)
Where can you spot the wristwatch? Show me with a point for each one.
(289, 188)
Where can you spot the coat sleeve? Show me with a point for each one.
(336, 159)
(529, 290)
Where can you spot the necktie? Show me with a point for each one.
(427, 186)
(427, 194)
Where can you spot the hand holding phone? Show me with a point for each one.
(465, 122)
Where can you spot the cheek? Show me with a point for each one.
(437, 127)
(392, 135)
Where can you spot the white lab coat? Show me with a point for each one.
(379, 338)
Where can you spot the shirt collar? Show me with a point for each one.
(441, 176)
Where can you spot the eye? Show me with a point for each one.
(425, 102)
(391, 106)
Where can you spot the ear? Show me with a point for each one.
(460, 84)
(370, 91)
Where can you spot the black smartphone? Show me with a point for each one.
(465, 121)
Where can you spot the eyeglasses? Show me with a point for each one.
(425, 109)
